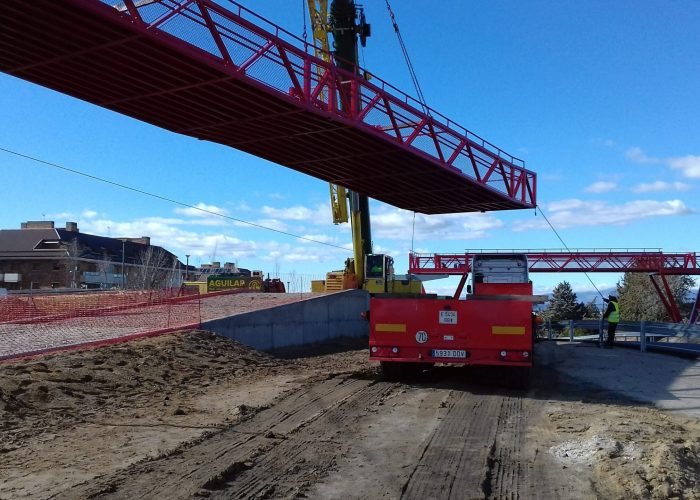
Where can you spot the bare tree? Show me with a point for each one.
(154, 269)
(103, 267)
(73, 252)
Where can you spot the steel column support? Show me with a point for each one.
(667, 300)
(696, 310)
(462, 281)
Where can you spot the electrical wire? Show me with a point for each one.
(567, 247)
(164, 198)
(411, 70)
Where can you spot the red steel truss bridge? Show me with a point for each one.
(229, 76)
(653, 262)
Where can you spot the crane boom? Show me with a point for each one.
(318, 12)
(340, 20)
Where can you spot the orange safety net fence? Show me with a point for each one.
(34, 324)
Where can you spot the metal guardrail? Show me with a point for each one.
(647, 332)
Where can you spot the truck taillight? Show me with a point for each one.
(384, 352)
(514, 355)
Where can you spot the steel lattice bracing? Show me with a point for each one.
(612, 261)
(655, 263)
(230, 77)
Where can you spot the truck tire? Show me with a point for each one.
(391, 371)
(519, 377)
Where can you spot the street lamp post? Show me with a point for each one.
(123, 280)
(187, 268)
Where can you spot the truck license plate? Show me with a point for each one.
(448, 353)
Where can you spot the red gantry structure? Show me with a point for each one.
(231, 77)
(654, 262)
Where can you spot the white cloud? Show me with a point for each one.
(201, 210)
(89, 214)
(637, 155)
(577, 213)
(397, 224)
(269, 223)
(242, 207)
(688, 165)
(67, 216)
(601, 187)
(660, 186)
(321, 214)
(323, 238)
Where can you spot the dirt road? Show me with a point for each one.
(191, 415)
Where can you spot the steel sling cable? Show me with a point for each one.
(567, 247)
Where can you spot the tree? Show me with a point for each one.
(104, 267)
(590, 310)
(73, 253)
(563, 304)
(639, 300)
(154, 270)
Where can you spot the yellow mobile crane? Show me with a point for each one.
(368, 271)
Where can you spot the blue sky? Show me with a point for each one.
(599, 98)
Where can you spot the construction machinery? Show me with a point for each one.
(372, 272)
(492, 325)
(241, 280)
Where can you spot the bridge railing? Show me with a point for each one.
(670, 336)
(279, 60)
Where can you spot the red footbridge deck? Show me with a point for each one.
(574, 261)
(228, 76)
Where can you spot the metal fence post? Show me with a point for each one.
(549, 329)
(571, 330)
(643, 336)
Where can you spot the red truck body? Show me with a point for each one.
(492, 326)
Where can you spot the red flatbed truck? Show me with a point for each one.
(492, 326)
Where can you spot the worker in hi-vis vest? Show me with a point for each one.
(612, 314)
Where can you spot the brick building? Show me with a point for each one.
(40, 256)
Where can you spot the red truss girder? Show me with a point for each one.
(193, 67)
(570, 262)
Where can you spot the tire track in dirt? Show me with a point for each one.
(208, 467)
(307, 454)
(454, 463)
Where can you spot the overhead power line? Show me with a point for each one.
(163, 198)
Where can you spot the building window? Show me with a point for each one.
(55, 284)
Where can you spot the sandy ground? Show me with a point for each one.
(193, 415)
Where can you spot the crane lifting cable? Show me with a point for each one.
(411, 70)
(566, 246)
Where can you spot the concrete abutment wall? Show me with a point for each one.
(305, 322)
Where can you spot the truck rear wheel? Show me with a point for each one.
(390, 371)
(519, 377)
